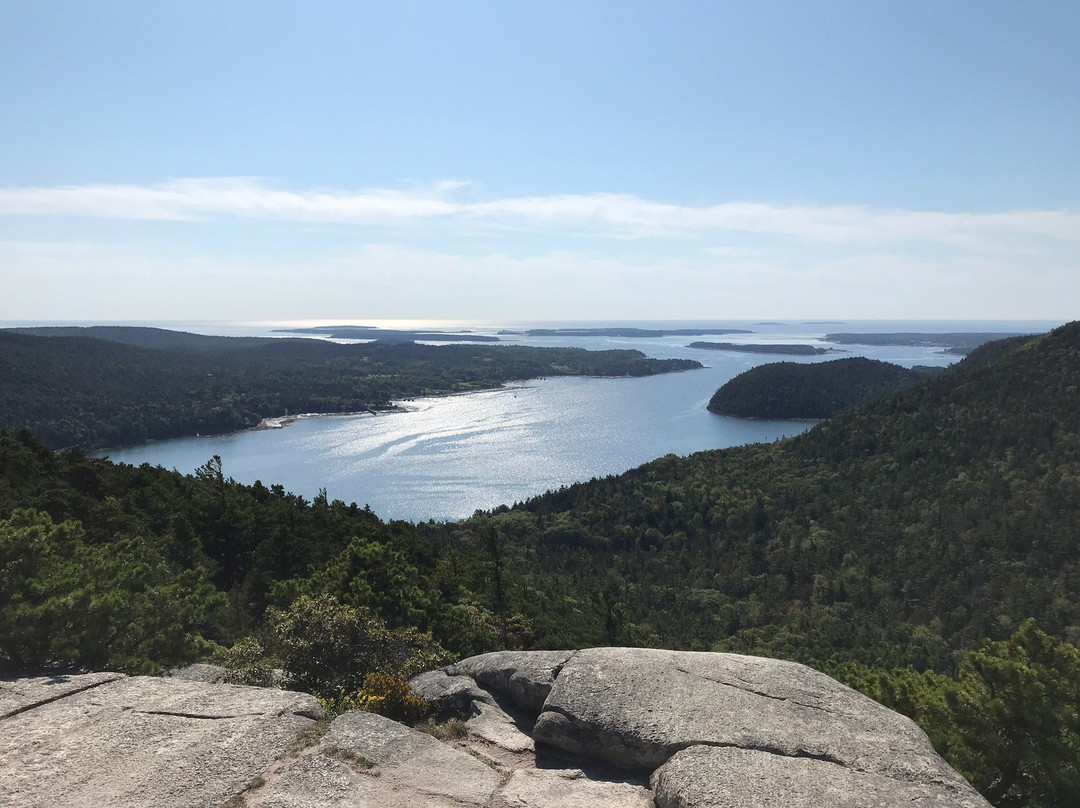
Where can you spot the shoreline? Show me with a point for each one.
(396, 406)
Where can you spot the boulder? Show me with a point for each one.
(568, 788)
(717, 777)
(451, 696)
(525, 677)
(200, 672)
(636, 708)
(491, 723)
(106, 739)
(410, 768)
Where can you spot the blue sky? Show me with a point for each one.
(584, 160)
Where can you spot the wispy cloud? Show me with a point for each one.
(619, 215)
(80, 281)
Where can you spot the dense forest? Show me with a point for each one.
(922, 547)
(820, 390)
(126, 386)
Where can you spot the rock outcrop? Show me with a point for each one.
(716, 730)
(600, 728)
(110, 740)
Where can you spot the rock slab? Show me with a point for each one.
(525, 677)
(711, 777)
(368, 761)
(641, 708)
(110, 740)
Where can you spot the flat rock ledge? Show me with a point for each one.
(599, 728)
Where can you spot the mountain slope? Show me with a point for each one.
(896, 533)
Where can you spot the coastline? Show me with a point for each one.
(396, 406)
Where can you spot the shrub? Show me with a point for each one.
(329, 648)
(383, 693)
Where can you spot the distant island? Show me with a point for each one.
(387, 334)
(121, 386)
(624, 332)
(961, 343)
(793, 390)
(145, 337)
(758, 348)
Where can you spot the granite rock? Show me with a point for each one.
(109, 740)
(524, 677)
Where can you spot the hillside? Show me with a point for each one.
(783, 390)
(143, 336)
(77, 390)
(896, 533)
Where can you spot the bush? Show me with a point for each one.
(383, 693)
(328, 648)
(246, 663)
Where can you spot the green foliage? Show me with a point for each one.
(817, 390)
(887, 542)
(899, 533)
(122, 605)
(329, 648)
(246, 663)
(383, 693)
(1020, 707)
(1009, 720)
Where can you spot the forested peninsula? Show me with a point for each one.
(762, 348)
(961, 342)
(120, 386)
(921, 546)
(820, 390)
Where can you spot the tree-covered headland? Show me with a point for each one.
(782, 390)
(128, 385)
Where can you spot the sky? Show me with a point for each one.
(513, 161)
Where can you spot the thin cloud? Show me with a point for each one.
(618, 215)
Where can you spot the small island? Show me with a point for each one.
(792, 390)
(626, 332)
(759, 348)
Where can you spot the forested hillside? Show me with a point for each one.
(89, 392)
(782, 390)
(908, 531)
(896, 533)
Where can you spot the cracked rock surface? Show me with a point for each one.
(717, 730)
(711, 777)
(368, 761)
(110, 740)
(599, 728)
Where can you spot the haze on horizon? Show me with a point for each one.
(505, 161)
